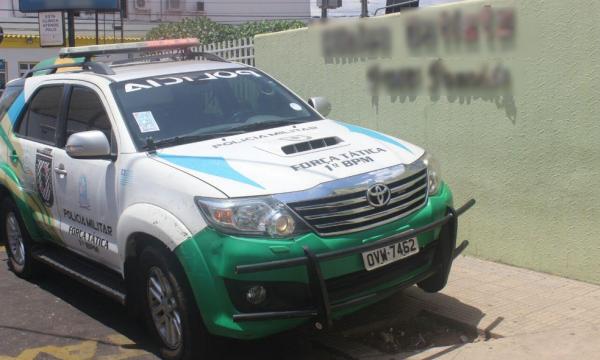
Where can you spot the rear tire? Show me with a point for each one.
(169, 307)
(18, 241)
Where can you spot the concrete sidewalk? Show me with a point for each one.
(524, 314)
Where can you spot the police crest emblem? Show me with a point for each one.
(43, 176)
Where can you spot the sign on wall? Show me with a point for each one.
(52, 28)
(50, 5)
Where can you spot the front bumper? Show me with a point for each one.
(323, 307)
(210, 260)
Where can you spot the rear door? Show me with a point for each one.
(34, 149)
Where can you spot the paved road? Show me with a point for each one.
(57, 318)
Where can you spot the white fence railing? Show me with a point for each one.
(240, 50)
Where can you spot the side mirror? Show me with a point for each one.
(88, 145)
(321, 104)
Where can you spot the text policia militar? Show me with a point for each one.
(87, 238)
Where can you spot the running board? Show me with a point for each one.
(86, 272)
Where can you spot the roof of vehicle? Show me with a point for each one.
(135, 71)
(78, 62)
(141, 70)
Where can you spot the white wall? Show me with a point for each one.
(226, 11)
(157, 11)
(234, 11)
(13, 56)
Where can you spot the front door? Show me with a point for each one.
(86, 187)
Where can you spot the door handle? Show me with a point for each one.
(60, 170)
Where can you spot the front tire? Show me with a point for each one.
(18, 241)
(443, 258)
(170, 311)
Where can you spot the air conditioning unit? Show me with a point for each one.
(174, 4)
(143, 5)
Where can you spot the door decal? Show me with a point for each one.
(43, 176)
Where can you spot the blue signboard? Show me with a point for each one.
(53, 5)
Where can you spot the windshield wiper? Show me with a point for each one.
(152, 144)
(263, 125)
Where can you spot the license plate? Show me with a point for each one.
(388, 254)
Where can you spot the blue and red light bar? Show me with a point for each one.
(141, 46)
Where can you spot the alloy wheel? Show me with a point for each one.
(15, 238)
(164, 308)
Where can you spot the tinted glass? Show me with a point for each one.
(39, 123)
(86, 112)
(206, 103)
(7, 99)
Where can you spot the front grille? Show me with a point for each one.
(346, 213)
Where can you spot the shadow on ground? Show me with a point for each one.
(63, 311)
(86, 305)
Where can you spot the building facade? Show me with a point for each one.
(21, 49)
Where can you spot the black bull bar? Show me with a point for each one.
(446, 252)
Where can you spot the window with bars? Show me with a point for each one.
(173, 5)
(25, 66)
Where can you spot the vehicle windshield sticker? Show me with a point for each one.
(175, 80)
(145, 121)
(296, 106)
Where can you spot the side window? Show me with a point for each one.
(86, 112)
(7, 99)
(41, 118)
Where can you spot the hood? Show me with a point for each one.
(288, 158)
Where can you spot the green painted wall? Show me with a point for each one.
(528, 152)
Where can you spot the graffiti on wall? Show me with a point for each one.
(428, 37)
(457, 29)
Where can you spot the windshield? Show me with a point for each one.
(179, 108)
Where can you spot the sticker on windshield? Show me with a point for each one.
(296, 106)
(145, 121)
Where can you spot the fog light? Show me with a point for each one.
(256, 295)
(282, 225)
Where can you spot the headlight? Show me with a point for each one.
(260, 216)
(434, 171)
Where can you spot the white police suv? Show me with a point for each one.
(209, 197)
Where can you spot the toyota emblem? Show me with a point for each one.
(379, 195)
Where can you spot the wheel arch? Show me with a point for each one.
(10, 187)
(142, 220)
